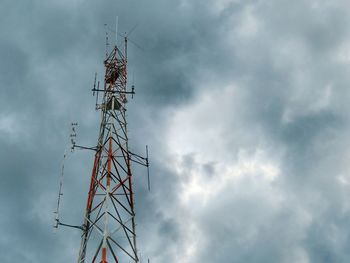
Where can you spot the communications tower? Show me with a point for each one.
(108, 229)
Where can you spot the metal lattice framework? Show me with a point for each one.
(108, 231)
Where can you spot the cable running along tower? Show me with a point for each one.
(108, 229)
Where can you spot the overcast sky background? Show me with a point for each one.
(245, 106)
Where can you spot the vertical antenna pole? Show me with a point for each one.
(98, 87)
(57, 218)
(147, 164)
(106, 41)
(126, 46)
(116, 31)
(94, 89)
(133, 85)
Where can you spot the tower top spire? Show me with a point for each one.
(116, 30)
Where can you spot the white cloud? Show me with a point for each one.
(249, 24)
(220, 5)
(195, 142)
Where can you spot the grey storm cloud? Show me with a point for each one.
(244, 105)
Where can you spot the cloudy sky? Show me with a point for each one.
(245, 107)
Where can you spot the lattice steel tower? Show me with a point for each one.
(108, 229)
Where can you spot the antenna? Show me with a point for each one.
(116, 31)
(107, 44)
(147, 165)
(126, 46)
(133, 85)
(73, 135)
(126, 35)
(94, 89)
(98, 87)
(57, 217)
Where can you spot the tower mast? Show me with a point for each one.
(108, 230)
